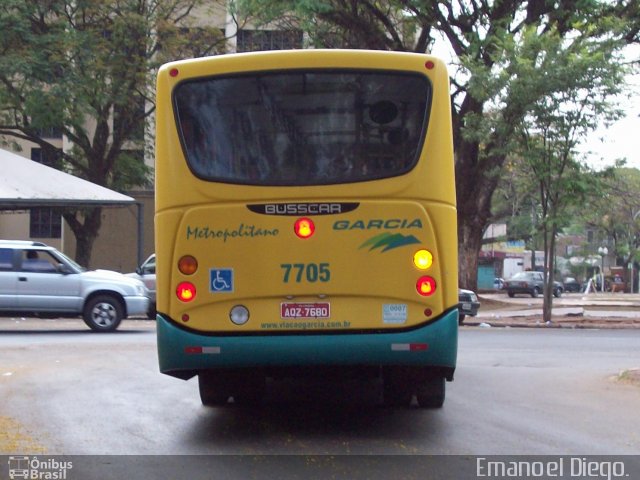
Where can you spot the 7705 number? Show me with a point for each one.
(309, 272)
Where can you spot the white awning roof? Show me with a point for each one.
(25, 183)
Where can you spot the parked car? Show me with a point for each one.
(146, 273)
(498, 283)
(558, 289)
(38, 279)
(468, 304)
(572, 285)
(531, 283)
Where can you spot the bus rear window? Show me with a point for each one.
(302, 127)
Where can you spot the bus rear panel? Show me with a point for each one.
(305, 220)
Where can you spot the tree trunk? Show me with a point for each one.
(474, 189)
(469, 243)
(549, 267)
(85, 232)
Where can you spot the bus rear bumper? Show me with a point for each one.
(183, 353)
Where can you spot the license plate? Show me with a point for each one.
(305, 310)
(466, 306)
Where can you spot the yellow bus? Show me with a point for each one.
(306, 222)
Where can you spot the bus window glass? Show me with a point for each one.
(302, 127)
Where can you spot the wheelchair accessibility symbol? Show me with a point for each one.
(221, 280)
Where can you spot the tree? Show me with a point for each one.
(515, 202)
(492, 88)
(617, 215)
(555, 125)
(86, 67)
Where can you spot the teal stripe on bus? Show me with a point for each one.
(434, 344)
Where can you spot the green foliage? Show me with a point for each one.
(513, 62)
(616, 213)
(340, 24)
(581, 77)
(87, 67)
(519, 68)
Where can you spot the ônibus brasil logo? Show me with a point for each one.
(38, 469)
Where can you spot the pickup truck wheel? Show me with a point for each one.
(103, 313)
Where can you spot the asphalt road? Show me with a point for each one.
(65, 390)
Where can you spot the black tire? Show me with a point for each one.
(461, 318)
(396, 394)
(103, 313)
(535, 292)
(431, 393)
(151, 313)
(249, 388)
(557, 292)
(511, 294)
(214, 390)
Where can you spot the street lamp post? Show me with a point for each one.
(603, 251)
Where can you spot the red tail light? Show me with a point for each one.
(186, 291)
(426, 286)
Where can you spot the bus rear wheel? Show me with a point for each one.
(431, 393)
(214, 389)
(250, 392)
(246, 387)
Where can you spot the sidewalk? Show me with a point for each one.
(574, 310)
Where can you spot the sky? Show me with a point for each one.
(608, 143)
(621, 139)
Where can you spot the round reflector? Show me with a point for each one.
(188, 265)
(423, 259)
(304, 227)
(426, 286)
(239, 315)
(186, 291)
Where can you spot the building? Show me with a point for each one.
(499, 257)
